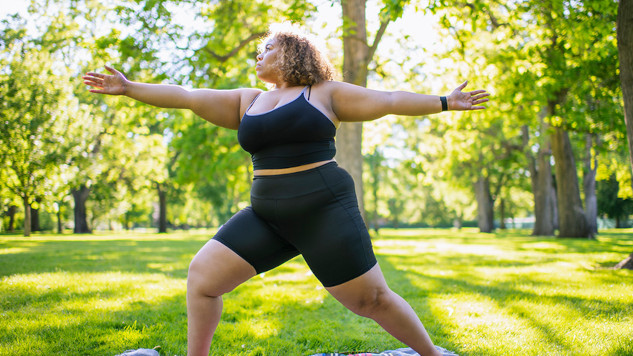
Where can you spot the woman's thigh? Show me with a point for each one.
(216, 270)
(243, 247)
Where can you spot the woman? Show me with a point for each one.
(301, 201)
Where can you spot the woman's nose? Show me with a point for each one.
(259, 57)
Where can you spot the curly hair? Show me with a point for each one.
(299, 60)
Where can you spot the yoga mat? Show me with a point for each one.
(399, 352)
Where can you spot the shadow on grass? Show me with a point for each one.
(94, 295)
(614, 241)
(69, 331)
(526, 285)
(528, 306)
(289, 320)
(60, 301)
(284, 312)
(170, 256)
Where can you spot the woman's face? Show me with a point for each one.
(266, 62)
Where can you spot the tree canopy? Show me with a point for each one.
(554, 127)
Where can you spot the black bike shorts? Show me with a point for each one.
(313, 213)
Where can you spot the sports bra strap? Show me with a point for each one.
(253, 102)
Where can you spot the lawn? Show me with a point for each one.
(477, 294)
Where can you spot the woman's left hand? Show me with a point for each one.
(459, 100)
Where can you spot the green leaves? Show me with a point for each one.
(531, 55)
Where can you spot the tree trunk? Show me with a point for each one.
(355, 60)
(59, 221)
(349, 156)
(12, 211)
(162, 209)
(554, 202)
(81, 219)
(502, 214)
(27, 216)
(395, 208)
(544, 195)
(457, 223)
(375, 212)
(589, 185)
(626, 263)
(35, 218)
(541, 180)
(624, 25)
(485, 214)
(571, 216)
(624, 29)
(374, 160)
(126, 223)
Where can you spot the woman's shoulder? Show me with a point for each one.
(250, 91)
(333, 85)
(330, 86)
(334, 88)
(248, 94)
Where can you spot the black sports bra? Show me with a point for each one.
(290, 135)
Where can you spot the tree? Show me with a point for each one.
(611, 204)
(111, 137)
(574, 106)
(375, 161)
(589, 183)
(481, 151)
(357, 55)
(625, 51)
(548, 44)
(545, 207)
(8, 203)
(31, 113)
(221, 54)
(54, 38)
(94, 156)
(624, 30)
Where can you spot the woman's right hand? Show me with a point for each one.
(115, 84)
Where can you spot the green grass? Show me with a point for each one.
(477, 294)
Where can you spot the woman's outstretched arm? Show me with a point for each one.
(354, 103)
(220, 107)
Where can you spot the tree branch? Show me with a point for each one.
(499, 185)
(379, 34)
(244, 43)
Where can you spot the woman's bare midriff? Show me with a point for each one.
(305, 167)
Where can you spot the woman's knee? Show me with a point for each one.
(202, 279)
(198, 281)
(216, 270)
(371, 302)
